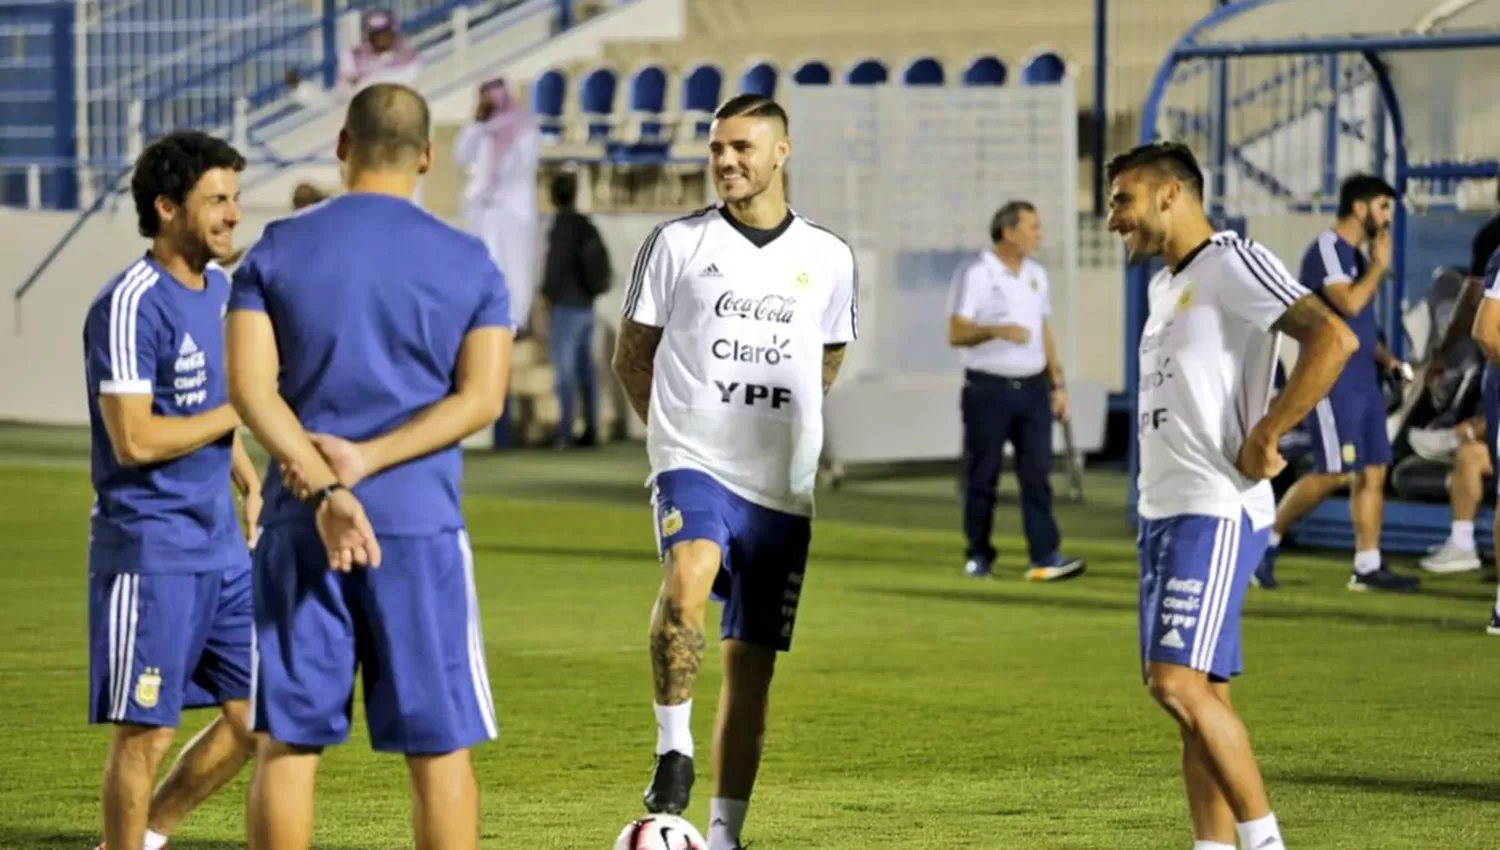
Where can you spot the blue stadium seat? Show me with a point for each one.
(812, 73)
(985, 71)
(926, 71)
(760, 79)
(596, 100)
(867, 72)
(1044, 69)
(700, 97)
(648, 100)
(548, 94)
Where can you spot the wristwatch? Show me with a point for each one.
(320, 496)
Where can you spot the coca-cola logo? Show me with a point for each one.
(777, 309)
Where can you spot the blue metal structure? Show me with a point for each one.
(1408, 527)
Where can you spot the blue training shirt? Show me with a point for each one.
(371, 297)
(147, 334)
(1329, 259)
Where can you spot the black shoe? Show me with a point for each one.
(671, 784)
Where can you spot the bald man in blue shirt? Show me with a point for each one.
(366, 338)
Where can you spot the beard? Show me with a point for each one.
(1371, 228)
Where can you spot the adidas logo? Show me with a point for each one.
(711, 271)
(1271, 841)
(1172, 640)
(188, 346)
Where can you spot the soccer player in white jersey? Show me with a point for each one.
(734, 328)
(1208, 448)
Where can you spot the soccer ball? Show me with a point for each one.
(660, 832)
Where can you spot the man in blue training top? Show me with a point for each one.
(169, 571)
(1350, 444)
(1486, 330)
(366, 338)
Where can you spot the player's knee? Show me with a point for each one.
(1179, 691)
(691, 567)
(144, 744)
(236, 713)
(1370, 478)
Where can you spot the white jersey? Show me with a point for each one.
(1207, 363)
(737, 385)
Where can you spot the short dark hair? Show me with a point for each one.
(170, 167)
(753, 106)
(1362, 187)
(1007, 217)
(564, 190)
(388, 124)
(1172, 159)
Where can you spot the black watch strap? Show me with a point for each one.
(318, 497)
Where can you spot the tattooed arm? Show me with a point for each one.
(833, 358)
(1325, 345)
(635, 356)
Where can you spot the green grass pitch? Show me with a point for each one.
(917, 709)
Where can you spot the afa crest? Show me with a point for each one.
(671, 522)
(804, 281)
(148, 687)
(1185, 300)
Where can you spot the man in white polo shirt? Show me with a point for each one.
(1013, 389)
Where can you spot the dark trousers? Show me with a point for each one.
(572, 352)
(998, 410)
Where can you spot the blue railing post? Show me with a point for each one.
(564, 17)
(63, 193)
(1101, 93)
(330, 42)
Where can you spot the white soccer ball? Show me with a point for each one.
(660, 832)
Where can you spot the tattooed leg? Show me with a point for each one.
(677, 645)
(677, 633)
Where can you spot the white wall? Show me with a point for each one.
(41, 358)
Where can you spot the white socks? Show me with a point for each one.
(725, 820)
(1366, 561)
(1497, 601)
(1261, 834)
(1462, 535)
(1211, 845)
(155, 840)
(674, 730)
(1275, 540)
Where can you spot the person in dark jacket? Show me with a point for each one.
(577, 272)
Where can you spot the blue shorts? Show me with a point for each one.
(1194, 571)
(410, 626)
(160, 643)
(1348, 430)
(764, 553)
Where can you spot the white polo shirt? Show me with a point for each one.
(986, 292)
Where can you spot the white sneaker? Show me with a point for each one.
(1435, 444)
(1451, 559)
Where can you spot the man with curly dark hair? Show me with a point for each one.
(169, 571)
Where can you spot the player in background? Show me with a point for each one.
(360, 361)
(734, 328)
(1487, 337)
(1208, 449)
(169, 571)
(1350, 444)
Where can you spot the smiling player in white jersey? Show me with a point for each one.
(1208, 432)
(735, 324)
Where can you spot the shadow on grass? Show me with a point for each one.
(1478, 792)
(1294, 615)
